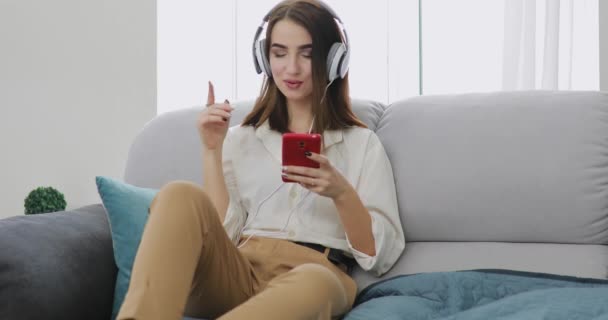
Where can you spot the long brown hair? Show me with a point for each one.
(335, 111)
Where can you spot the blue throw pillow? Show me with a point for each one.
(127, 208)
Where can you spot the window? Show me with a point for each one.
(464, 47)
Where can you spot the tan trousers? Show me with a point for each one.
(187, 265)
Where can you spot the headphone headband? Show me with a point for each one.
(337, 59)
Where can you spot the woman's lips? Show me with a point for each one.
(292, 84)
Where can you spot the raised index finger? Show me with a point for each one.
(210, 95)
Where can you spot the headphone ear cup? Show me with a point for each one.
(344, 63)
(335, 59)
(259, 58)
(334, 56)
(265, 62)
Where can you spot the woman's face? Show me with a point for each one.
(290, 60)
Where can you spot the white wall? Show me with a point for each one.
(77, 82)
(603, 6)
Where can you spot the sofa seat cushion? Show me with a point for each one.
(587, 261)
(481, 295)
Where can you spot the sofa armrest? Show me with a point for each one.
(57, 265)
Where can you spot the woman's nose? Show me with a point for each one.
(293, 65)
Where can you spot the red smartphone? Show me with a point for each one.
(295, 146)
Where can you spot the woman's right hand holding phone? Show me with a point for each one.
(214, 121)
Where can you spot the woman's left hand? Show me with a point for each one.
(326, 180)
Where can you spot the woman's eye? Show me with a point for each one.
(279, 55)
(307, 55)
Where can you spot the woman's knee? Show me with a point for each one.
(180, 193)
(320, 283)
(182, 189)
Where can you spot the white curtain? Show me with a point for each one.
(551, 45)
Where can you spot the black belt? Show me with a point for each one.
(335, 256)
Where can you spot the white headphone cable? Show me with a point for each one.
(293, 210)
(255, 215)
(311, 124)
(284, 226)
(325, 91)
(268, 197)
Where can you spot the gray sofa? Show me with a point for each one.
(506, 180)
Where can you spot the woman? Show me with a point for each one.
(248, 246)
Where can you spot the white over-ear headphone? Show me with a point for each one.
(338, 56)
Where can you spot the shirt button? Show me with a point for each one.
(293, 194)
(291, 234)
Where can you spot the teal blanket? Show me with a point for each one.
(482, 295)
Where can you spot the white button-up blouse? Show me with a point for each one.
(262, 205)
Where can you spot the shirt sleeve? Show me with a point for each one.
(376, 188)
(236, 215)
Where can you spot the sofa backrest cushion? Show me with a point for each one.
(57, 265)
(168, 147)
(507, 166)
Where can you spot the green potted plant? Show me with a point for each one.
(44, 199)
